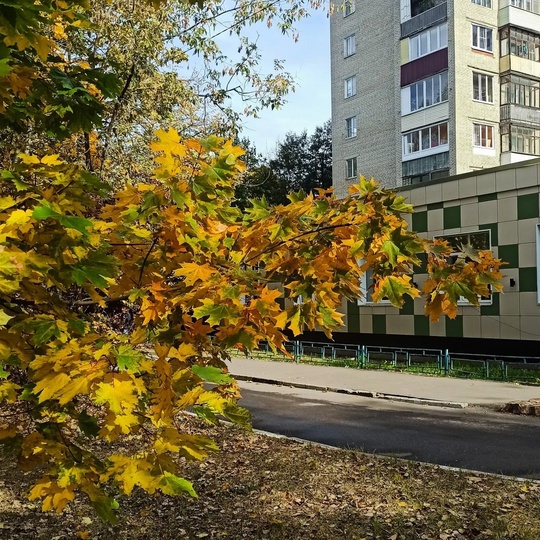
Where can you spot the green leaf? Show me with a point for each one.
(127, 358)
(5, 68)
(238, 415)
(3, 373)
(212, 374)
(4, 318)
(214, 312)
(77, 325)
(43, 329)
(206, 414)
(105, 507)
(88, 424)
(392, 251)
(174, 485)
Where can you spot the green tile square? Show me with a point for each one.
(419, 222)
(422, 269)
(379, 324)
(493, 309)
(435, 206)
(452, 217)
(528, 280)
(528, 206)
(408, 306)
(454, 327)
(487, 197)
(353, 317)
(509, 254)
(494, 228)
(421, 325)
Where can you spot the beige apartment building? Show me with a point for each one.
(426, 89)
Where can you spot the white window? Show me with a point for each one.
(483, 135)
(484, 3)
(480, 240)
(352, 168)
(428, 41)
(350, 127)
(482, 38)
(430, 140)
(350, 86)
(483, 87)
(349, 45)
(348, 7)
(367, 284)
(425, 93)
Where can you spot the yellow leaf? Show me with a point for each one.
(51, 160)
(4, 318)
(193, 272)
(19, 217)
(28, 159)
(48, 386)
(120, 394)
(7, 432)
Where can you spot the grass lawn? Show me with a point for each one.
(270, 488)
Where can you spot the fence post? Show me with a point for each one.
(363, 356)
(296, 351)
(446, 362)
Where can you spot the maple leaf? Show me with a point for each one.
(120, 392)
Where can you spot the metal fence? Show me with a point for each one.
(429, 361)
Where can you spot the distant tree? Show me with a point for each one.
(301, 162)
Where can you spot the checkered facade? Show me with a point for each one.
(504, 201)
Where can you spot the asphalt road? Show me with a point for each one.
(471, 438)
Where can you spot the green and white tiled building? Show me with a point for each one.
(497, 208)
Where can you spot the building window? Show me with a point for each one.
(483, 135)
(349, 46)
(520, 139)
(520, 91)
(480, 241)
(483, 87)
(367, 285)
(350, 127)
(425, 93)
(419, 6)
(482, 38)
(427, 138)
(352, 168)
(483, 3)
(429, 41)
(348, 7)
(520, 43)
(528, 5)
(350, 86)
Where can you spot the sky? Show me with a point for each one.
(308, 61)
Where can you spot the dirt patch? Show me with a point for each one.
(260, 487)
(530, 407)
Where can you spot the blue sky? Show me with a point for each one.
(308, 60)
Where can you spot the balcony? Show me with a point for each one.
(522, 13)
(517, 64)
(424, 20)
(512, 113)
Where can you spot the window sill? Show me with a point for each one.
(483, 51)
(483, 102)
(423, 153)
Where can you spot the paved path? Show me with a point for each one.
(471, 438)
(447, 391)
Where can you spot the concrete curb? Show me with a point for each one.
(361, 393)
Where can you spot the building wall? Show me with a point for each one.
(504, 201)
(374, 103)
(466, 60)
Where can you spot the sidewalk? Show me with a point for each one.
(438, 391)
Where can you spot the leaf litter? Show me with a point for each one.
(262, 487)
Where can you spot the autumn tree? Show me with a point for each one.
(99, 412)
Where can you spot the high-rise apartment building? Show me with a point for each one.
(424, 89)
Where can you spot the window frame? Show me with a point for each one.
(367, 291)
(349, 7)
(483, 301)
(415, 42)
(421, 135)
(538, 263)
(480, 138)
(348, 49)
(488, 82)
(351, 168)
(407, 93)
(351, 128)
(482, 3)
(352, 78)
(479, 38)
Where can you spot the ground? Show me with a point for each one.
(261, 487)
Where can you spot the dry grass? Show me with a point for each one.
(269, 488)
